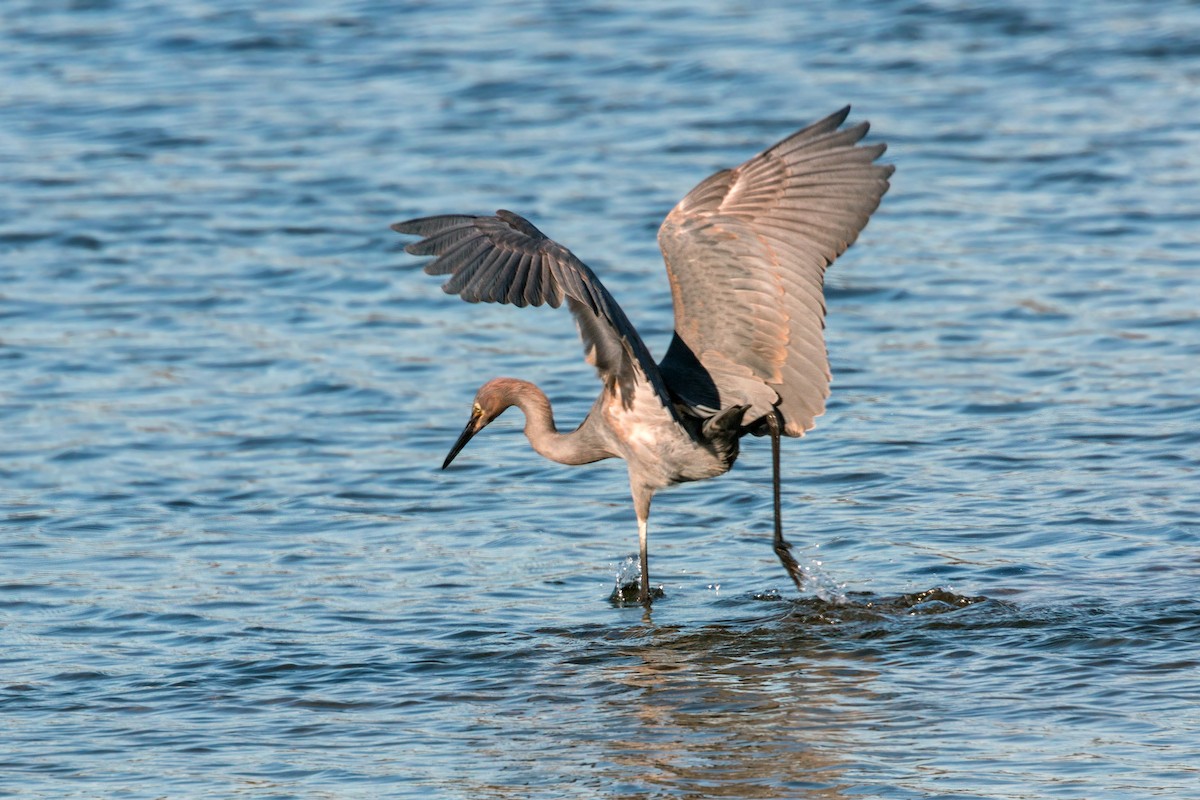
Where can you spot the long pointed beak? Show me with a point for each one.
(473, 427)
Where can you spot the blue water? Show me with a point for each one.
(230, 565)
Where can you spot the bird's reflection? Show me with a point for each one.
(736, 711)
(779, 703)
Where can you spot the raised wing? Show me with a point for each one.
(746, 253)
(505, 259)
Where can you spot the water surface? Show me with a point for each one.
(229, 562)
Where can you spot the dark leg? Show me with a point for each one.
(641, 506)
(644, 564)
(624, 592)
(782, 548)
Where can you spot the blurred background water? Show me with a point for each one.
(230, 565)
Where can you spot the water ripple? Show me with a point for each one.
(230, 562)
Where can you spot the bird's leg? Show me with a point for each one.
(783, 548)
(641, 505)
(644, 563)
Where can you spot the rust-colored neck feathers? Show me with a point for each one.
(577, 447)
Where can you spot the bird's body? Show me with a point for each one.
(746, 252)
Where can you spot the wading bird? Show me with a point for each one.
(746, 253)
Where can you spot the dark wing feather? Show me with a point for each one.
(505, 259)
(746, 253)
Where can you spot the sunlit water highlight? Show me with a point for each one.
(230, 566)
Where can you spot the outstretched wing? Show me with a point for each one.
(505, 259)
(746, 253)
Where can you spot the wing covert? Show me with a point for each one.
(746, 253)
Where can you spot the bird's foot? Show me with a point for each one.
(630, 593)
(632, 585)
(783, 549)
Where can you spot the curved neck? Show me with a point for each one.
(579, 446)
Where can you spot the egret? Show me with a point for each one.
(746, 253)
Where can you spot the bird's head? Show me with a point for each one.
(492, 399)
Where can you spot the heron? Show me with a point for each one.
(746, 252)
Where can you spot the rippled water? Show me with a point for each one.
(230, 564)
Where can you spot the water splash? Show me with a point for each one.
(629, 571)
(865, 607)
(817, 582)
(821, 583)
(629, 578)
